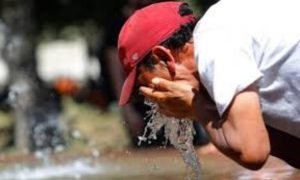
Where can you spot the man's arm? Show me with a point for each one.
(240, 133)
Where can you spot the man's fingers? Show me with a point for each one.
(151, 93)
(161, 84)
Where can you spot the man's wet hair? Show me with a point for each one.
(178, 39)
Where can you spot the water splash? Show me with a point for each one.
(70, 170)
(178, 131)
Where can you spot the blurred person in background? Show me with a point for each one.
(63, 79)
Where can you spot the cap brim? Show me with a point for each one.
(127, 87)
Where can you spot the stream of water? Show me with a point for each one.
(179, 132)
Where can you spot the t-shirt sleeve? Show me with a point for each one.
(225, 63)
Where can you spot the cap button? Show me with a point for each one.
(135, 56)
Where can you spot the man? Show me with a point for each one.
(238, 75)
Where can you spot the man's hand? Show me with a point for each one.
(174, 98)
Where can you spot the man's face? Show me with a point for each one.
(185, 77)
(146, 74)
(185, 68)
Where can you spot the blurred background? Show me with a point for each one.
(60, 80)
(60, 76)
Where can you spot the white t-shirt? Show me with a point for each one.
(241, 42)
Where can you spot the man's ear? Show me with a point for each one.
(160, 53)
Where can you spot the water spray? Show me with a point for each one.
(179, 132)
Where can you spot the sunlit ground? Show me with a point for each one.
(99, 148)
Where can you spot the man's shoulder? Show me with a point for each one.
(218, 15)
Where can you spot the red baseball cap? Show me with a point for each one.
(146, 28)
